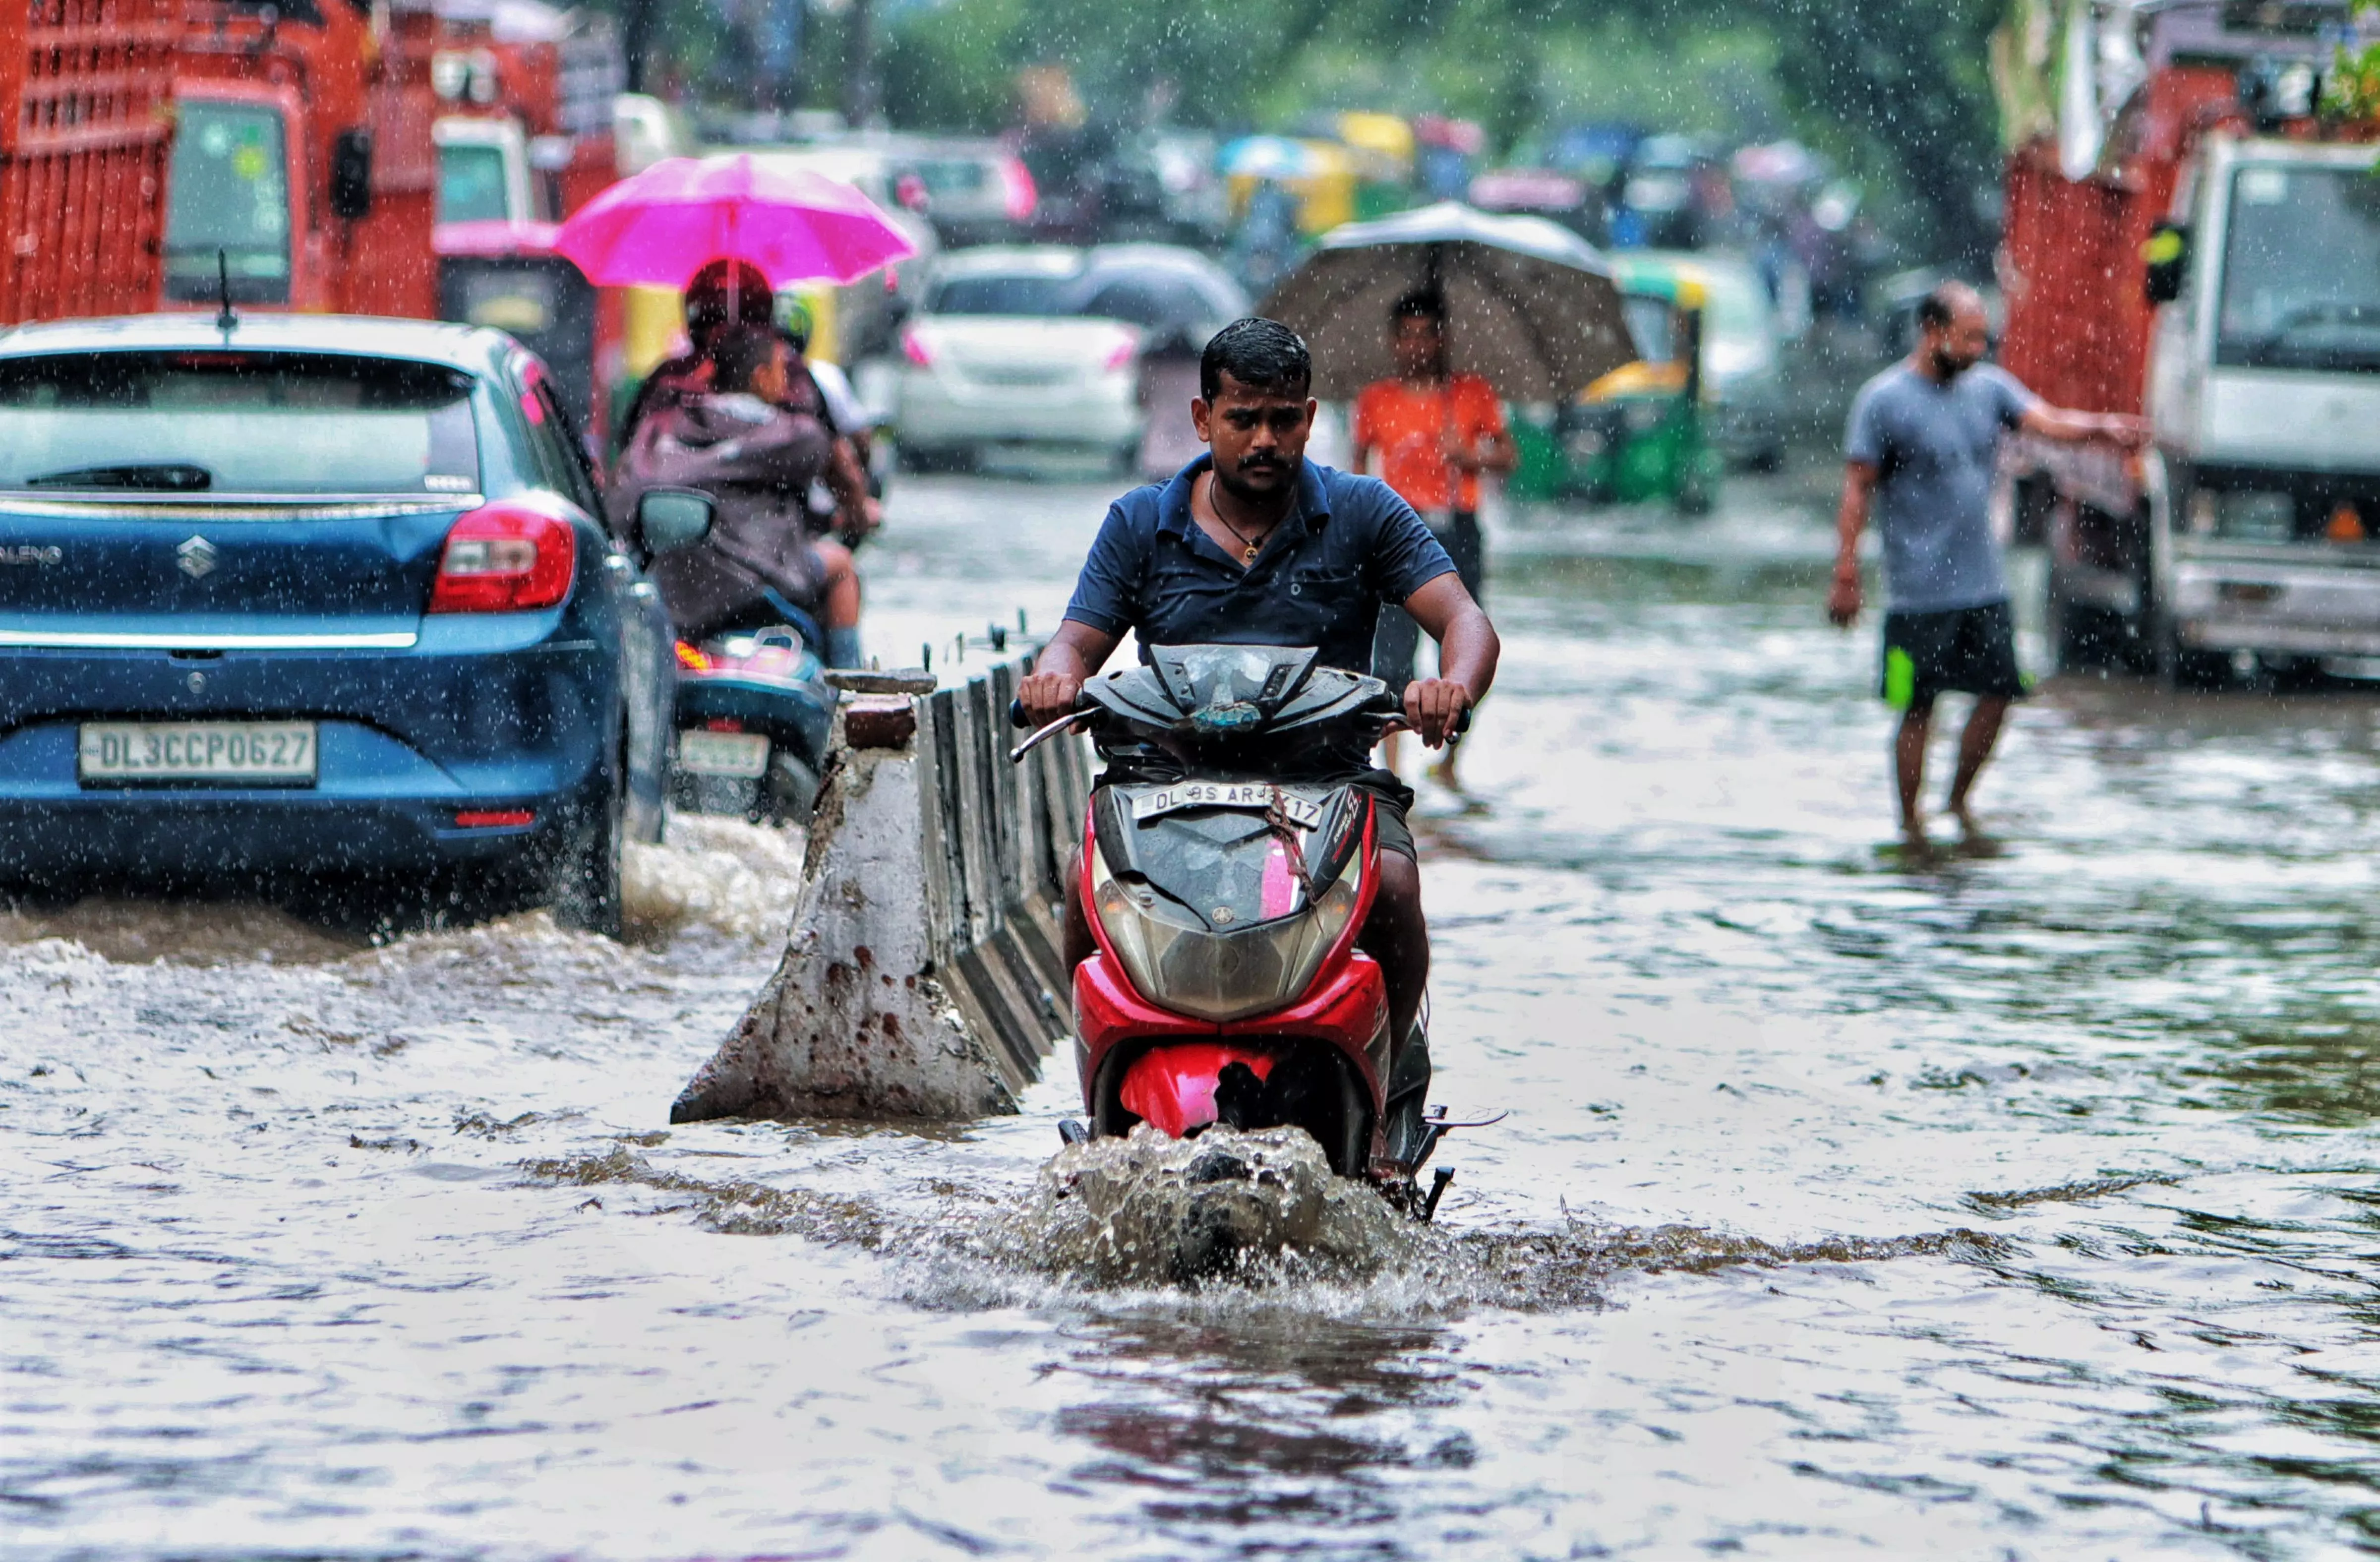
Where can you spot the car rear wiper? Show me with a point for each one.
(171, 477)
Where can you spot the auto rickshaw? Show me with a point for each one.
(1637, 435)
(506, 275)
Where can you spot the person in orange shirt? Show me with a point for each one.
(1432, 435)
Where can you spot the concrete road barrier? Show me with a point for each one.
(922, 976)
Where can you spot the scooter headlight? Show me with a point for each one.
(1178, 961)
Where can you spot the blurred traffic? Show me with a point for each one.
(463, 461)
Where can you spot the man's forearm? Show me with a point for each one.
(1059, 658)
(1851, 520)
(2068, 426)
(848, 484)
(1468, 653)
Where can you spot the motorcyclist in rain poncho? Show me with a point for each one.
(756, 447)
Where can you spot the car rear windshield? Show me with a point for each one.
(236, 422)
(1025, 294)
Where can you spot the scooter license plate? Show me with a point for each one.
(1259, 795)
(723, 754)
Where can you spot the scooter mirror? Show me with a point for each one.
(674, 517)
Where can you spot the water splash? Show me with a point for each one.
(1258, 1207)
(712, 872)
(1228, 1225)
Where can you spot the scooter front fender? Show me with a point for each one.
(1114, 1023)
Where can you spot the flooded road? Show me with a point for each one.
(2023, 1209)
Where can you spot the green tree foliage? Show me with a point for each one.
(1900, 86)
(1899, 89)
(1911, 80)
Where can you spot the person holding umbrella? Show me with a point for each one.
(724, 294)
(1432, 433)
(1478, 304)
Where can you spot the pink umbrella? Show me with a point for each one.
(658, 228)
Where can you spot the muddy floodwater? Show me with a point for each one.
(2023, 1209)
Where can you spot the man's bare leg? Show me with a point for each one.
(1975, 751)
(1908, 770)
(841, 584)
(1397, 935)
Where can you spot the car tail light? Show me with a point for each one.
(504, 558)
(693, 658)
(914, 348)
(1016, 186)
(1121, 354)
(494, 818)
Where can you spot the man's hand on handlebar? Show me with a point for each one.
(1048, 696)
(1434, 708)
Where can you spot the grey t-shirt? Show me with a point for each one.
(1934, 447)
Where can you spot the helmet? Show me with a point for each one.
(793, 320)
(708, 296)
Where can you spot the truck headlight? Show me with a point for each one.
(2257, 515)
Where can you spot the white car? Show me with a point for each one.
(1002, 353)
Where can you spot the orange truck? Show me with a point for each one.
(86, 127)
(2192, 233)
(526, 96)
(304, 174)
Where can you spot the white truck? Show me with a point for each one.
(2189, 235)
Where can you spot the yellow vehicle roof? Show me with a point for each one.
(1385, 135)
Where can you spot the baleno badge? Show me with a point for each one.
(198, 556)
(30, 553)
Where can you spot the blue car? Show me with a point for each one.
(318, 598)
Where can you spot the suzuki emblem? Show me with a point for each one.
(198, 556)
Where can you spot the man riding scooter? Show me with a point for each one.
(1253, 545)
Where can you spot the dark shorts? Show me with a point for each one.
(1398, 637)
(1390, 798)
(1957, 651)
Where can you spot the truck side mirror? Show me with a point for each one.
(674, 517)
(2167, 254)
(351, 183)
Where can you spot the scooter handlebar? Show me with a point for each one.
(1018, 718)
(1392, 712)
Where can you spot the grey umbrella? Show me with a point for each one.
(1529, 304)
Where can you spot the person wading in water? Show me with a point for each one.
(1925, 438)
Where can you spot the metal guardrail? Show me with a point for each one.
(922, 975)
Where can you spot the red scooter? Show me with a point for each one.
(1225, 895)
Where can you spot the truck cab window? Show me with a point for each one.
(472, 186)
(229, 190)
(2301, 269)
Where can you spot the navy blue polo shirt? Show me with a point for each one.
(1348, 545)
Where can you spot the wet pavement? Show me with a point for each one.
(2025, 1208)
